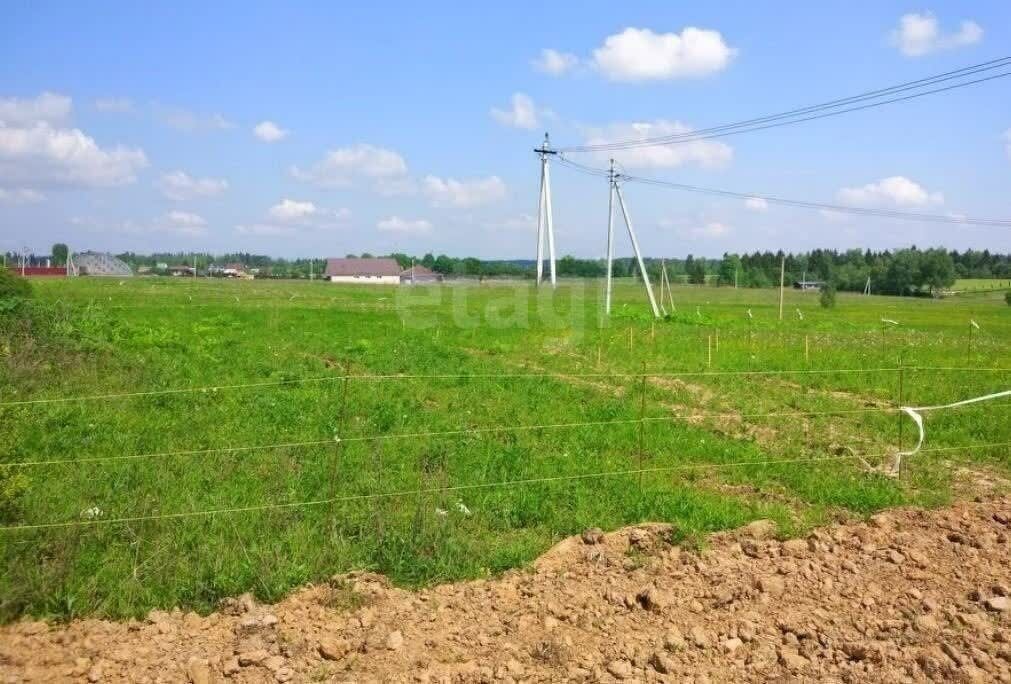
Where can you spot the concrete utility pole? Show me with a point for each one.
(610, 238)
(615, 191)
(544, 218)
(782, 277)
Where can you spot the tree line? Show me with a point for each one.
(901, 272)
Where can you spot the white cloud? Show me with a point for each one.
(756, 204)
(289, 217)
(38, 149)
(395, 224)
(642, 55)
(179, 186)
(191, 122)
(177, 223)
(292, 210)
(20, 196)
(269, 132)
(114, 105)
(554, 63)
(183, 223)
(450, 192)
(522, 222)
(48, 107)
(264, 230)
(920, 34)
(394, 187)
(894, 191)
(834, 216)
(343, 166)
(521, 114)
(41, 155)
(712, 229)
(705, 153)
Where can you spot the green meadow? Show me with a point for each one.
(169, 442)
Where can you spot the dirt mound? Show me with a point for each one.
(910, 595)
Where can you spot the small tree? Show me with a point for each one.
(697, 272)
(1007, 297)
(60, 252)
(827, 298)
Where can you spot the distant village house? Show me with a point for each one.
(419, 274)
(382, 271)
(377, 271)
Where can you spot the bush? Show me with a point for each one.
(13, 286)
(827, 298)
(1007, 297)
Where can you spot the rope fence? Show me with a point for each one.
(486, 376)
(465, 487)
(458, 432)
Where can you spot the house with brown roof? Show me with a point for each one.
(371, 271)
(419, 274)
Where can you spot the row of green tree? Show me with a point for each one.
(904, 271)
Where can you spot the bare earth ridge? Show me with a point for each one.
(911, 595)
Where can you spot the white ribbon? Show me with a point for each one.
(914, 413)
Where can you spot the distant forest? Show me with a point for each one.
(903, 272)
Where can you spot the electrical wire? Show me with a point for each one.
(802, 204)
(902, 87)
(813, 112)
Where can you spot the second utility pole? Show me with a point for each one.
(615, 191)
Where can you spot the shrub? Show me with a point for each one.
(1007, 297)
(827, 298)
(13, 286)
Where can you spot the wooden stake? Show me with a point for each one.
(717, 340)
(709, 347)
(642, 424)
(782, 277)
(630, 339)
(807, 353)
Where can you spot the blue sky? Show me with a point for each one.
(327, 129)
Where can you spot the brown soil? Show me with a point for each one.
(910, 595)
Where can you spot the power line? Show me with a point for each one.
(846, 105)
(958, 73)
(803, 204)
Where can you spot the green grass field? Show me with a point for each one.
(539, 409)
(981, 284)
